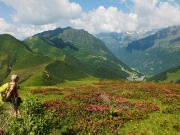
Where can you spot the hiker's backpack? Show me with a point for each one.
(3, 92)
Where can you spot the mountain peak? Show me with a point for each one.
(7, 36)
(169, 34)
(51, 33)
(80, 45)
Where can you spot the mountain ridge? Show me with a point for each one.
(57, 57)
(88, 46)
(16, 56)
(152, 54)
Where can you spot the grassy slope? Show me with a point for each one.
(35, 69)
(173, 77)
(170, 75)
(17, 58)
(43, 46)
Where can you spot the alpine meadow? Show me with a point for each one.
(75, 83)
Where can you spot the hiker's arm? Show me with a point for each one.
(10, 91)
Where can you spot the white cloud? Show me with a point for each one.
(48, 27)
(35, 16)
(145, 15)
(40, 12)
(23, 31)
(156, 14)
(6, 27)
(30, 30)
(102, 19)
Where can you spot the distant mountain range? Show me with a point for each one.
(115, 41)
(151, 53)
(63, 54)
(52, 57)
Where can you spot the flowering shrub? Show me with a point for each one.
(46, 91)
(92, 114)
(103, 108)
(1, 132)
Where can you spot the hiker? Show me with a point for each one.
(13, 93)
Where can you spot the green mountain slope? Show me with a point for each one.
(16, 56)
(56, 72)
(53, 48)
(170, 75)
(62, 54)
(93, 56)
(34, 69)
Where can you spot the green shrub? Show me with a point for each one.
(32, 121)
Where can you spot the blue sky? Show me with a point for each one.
(24, 18)
(89, 5)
